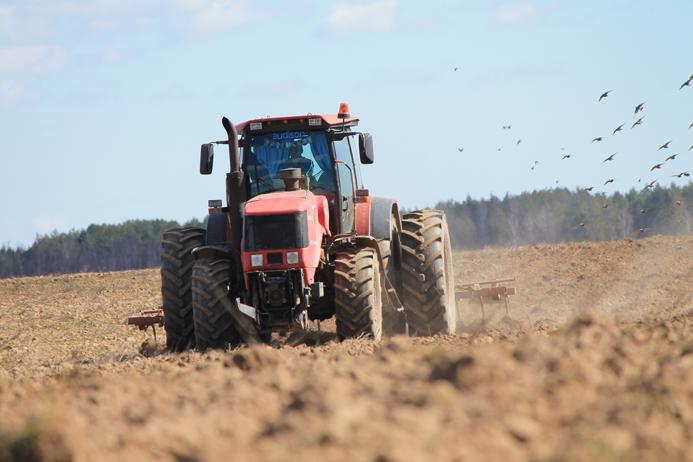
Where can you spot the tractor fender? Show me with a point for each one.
(344, 241)
(223, 251)
(374, 218)
(206, 251)
(217, 227)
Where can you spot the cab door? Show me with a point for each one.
(345, 176)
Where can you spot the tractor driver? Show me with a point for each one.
(296, 160)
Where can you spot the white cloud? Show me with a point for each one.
(347, 20)
(25, 60)
(520, 15)
(218, 16)
(45, 224)
(25, 22)
(5, 19)
(15, 92)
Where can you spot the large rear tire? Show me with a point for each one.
(176, 276)
(214, 325)
(358, 294)
(427, 274)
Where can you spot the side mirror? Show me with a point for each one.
(206, 159)
(366, 148)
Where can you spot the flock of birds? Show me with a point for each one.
(638, 109)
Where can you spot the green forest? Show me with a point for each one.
(560, 215)
(547, 216)
(135, 244)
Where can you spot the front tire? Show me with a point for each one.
(358, 294)
(428, 275)
(214, 325)
(176, 278)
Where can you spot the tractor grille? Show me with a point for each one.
(276, 232)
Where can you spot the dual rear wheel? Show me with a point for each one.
(427, 274)
(176, 285)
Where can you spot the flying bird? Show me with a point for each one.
(618, 129)
(579, 225)
(599, 138)
(656, 166)
(589, 189)
(689, 127)
(455, 69)
(678, 202)
(649, 185)
(518, 141)
(680, 221)
(665, 145)
(460, 149)
(687, 83)
(605, 94)
(686, 174)
(673, 156)
(567, 156)
(638, 122)
(609, 181)
(638, 108)
(606, 205)
(644, 210)
(611, 157)
(690, 148)
(641, 230)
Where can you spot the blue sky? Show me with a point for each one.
(104, 103)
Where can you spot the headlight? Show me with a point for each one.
(256, 260)
(291, 258)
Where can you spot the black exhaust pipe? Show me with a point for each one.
(235, 186)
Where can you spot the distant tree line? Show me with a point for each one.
(547, 216)
(559, 215)
(135, 244)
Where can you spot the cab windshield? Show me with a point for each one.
(266, 154)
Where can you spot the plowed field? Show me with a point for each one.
(594, 362)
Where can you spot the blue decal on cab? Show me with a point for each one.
(288, 135)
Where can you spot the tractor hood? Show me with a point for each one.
(284, 230)
(279, 202)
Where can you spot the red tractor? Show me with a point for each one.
(300, 239)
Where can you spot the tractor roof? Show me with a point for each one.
(305, 122)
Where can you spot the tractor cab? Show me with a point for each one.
(323, 147)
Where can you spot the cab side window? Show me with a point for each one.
(345, 203)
